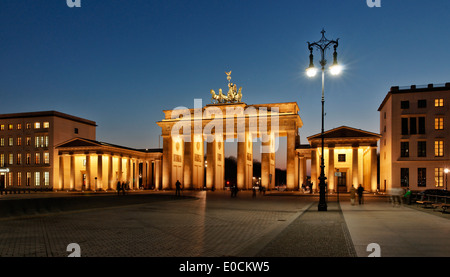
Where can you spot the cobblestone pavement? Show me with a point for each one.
(212, 224)
(207, 226)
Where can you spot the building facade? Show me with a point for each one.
(415, 137)
(28, 157)
(350, 158)
(57, 151)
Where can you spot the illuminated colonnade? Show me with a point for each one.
(350, 157)
(92, 165)
(185, 132)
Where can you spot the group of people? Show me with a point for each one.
(121, 186)
(353, 192)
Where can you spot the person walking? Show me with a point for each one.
(360, 194)
(124, 186)
(352, 195)
(178, 188)
(118, 187)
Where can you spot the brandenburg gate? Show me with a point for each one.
(186, 131)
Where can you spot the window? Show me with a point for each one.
(19, 141)
(75, 130)
(10, 126)
(28, 139)
(404, 104)
(439, 148)
(2, 127)
(10, 179)
(19, 178)
(404, 149)
(341, 157)
(19, 158)
(422, 177)
(37, 158)
(19, 126)
(37, 125)
(46, 125)
(46, 158)
(46, 179)
(413, 125)
(439, 176)
(439, 102)
(2, 141)
(37, 178)
(404, 177)
(439, 123)
(28, 179)
(2, 160)
(28, 125)
(404, 126)
(421, 149)
(11, 159)
(36, 141)
(422, 103)
(28, 161)
(45, 141)
(421, 125)
(10, 141)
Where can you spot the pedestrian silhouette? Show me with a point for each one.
(360, 194)
(178, 188)
(118, 188)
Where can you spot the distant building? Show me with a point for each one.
(28, 157)
(415, 141)
(58, 151)
(350, 158)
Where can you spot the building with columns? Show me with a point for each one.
(93, 165)
(350, 157)
(57, 151)
(212, 125)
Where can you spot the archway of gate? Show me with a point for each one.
(194, 143)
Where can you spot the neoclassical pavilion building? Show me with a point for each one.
(350, 157)
(86, 164)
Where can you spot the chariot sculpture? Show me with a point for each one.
(233, 95)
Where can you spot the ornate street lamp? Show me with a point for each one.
(322, 45)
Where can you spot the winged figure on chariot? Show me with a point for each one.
(233, 96)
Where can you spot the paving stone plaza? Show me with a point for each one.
(213, 224)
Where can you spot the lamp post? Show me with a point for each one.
(322, 45)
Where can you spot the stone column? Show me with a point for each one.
(167, 162)
(331, 169)
(72, 171)
(188, 160)
(136, 174)
(99, 172)
(314, 175)
(210, 162)
(88, 172)
(119, 169)
(265, 161)
(241, 163)
(158, 175)
(61, 172)
(110, 172)
(302, 171)
(373, 168)
(355, 167)
(290, 160)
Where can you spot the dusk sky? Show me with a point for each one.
(120, 63)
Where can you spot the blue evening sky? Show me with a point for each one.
(120, 63)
